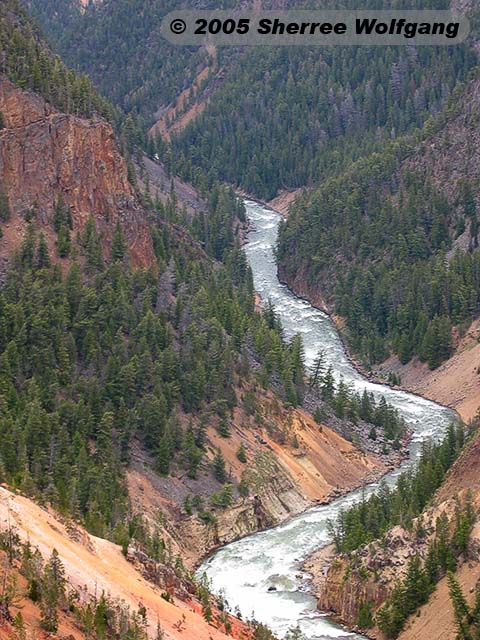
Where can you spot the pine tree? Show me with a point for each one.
(92, 246)
(118, 244)
(53, 592)
(207, 613)
(4, 205)
(241, 453)
(219, 467)
(328, 385)
(318, 368)
(43, 257)
(415, 586)
(462, 614)
(164, 456)
(19, 625)
(223, 427)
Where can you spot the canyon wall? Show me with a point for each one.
(46, 155)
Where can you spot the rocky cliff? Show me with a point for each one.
(282, 480)
(46, 155)
(344, 583)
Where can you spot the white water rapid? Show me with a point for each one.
(244, 570)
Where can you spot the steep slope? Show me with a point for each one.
(47, 157)
(443, 163)
(303, 114)
(144, 404)
(137, 401)
(190, 103)
(94, 566)
(284, 480)
(371, 244)
(149, 74)
(455, 383)
(368, 577)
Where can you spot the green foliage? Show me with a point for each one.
(29, 64)
(467, 619)
(208, 517)
(223, 426)
(43, 258)
(378, 245)
(149, 72)
(219, 468)
(118, 249)
(348, 404)
(223, 498)
(215, 229)
(262, 632)
(4, 205)
(241, 454)
(63, 225)
(420, 580)
(89, 361)
(302, 114)
(53, 592)
(365, 617)
(371, 518)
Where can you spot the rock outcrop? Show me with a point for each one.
(282, 480)
(46, 155)
(344, 583)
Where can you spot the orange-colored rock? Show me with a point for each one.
(93, 565)
(45, 154)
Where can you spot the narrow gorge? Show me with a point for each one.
(275, 589)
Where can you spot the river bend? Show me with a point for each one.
(244, 570)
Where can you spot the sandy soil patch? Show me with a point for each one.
(95, 565)
(456, 383)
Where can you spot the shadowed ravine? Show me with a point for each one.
(244, 570)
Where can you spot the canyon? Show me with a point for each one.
(46, 157)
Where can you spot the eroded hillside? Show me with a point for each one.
(47, 157)
(399, 584)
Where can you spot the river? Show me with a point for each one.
(244, 570)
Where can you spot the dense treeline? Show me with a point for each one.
(93, 359)
(98, 356)
(378, 246)
(302, 114)
(136, 68)
(447, 545)
(351, 405)
(371, 518)
(28, 63)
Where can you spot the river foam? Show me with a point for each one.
(245, 570)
